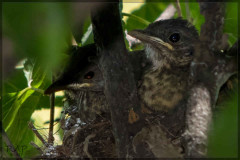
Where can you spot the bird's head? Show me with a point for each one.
(88, 79)
(171, 40)
(81, 74)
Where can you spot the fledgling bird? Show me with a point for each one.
(83, 82)
(169, 45)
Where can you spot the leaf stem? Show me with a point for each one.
(137, 18)
(37, 90)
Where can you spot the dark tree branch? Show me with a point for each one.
(209, 72)
(210, 69)
(120, 87)
(212, 29)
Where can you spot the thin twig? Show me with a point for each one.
(139, 19)
(31, 126)
(52, 101)
(85, 147)
(36, 146)
(179, 11)
(10, 145)
(187, 10)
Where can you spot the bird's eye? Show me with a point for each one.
(89, 75)
(175, 37)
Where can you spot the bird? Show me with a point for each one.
(161, 73)
(83, 82)
(169, 46)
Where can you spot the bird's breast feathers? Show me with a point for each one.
(162, 91)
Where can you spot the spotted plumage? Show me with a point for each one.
(169, 45)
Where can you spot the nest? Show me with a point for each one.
(89, 140)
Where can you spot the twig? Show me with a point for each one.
(179, 11)
(85, 147)
(31, 126)
(36, 146)
(52, 100)
(187, 10)
(143, 21)
(9, 144)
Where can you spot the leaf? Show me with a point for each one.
(15, 82)
(12, 103)
(88, 34)
(231, 22)
(18, 132)
(37, 29)
(11, 109)
(223, 138)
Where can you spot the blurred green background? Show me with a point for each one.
(35, 39)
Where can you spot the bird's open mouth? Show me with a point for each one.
(144, 37)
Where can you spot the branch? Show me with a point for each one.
(86, 142)
(52, 101)
(120, 87)
(31, 126)
(209, 71)
(212, 29)
(179, 11)
(199, 116)
(9, 144)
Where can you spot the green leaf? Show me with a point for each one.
(12, 103)
(223, 138)
(18, 132)
(37, 29)
(15, 82)
(231, 22)
(88, 34)
(11, 109)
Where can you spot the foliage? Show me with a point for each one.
(40, 33)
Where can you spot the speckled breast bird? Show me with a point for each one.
(169, 45)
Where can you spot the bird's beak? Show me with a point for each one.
(144, 37)
(58, 85)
